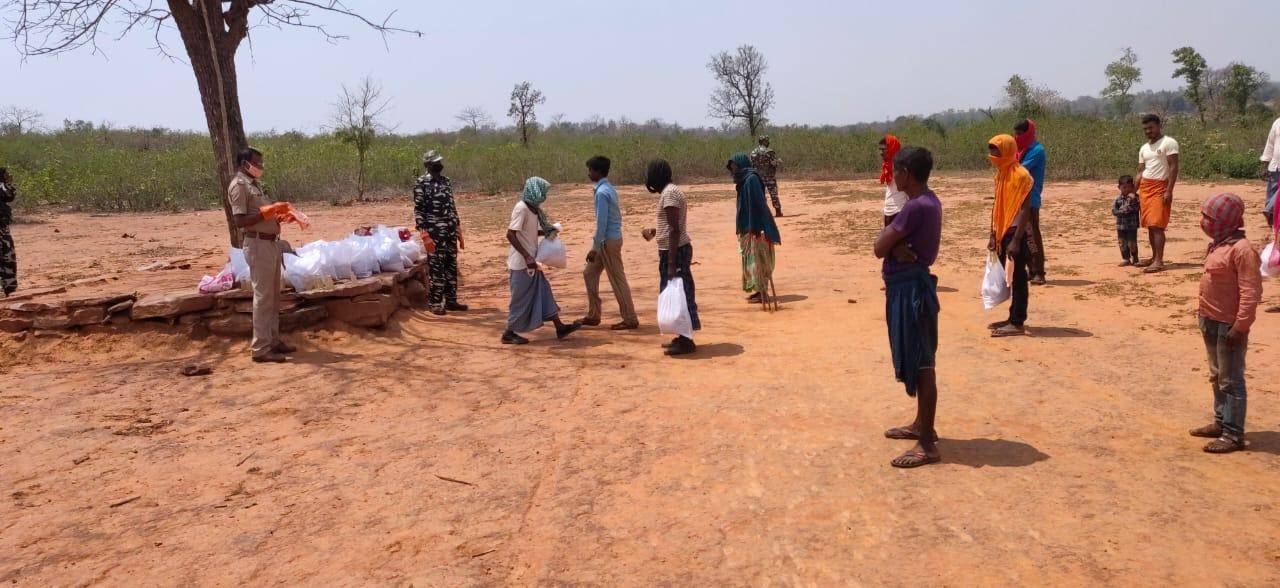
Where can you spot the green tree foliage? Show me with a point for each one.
(1242, 82)
(1122, 74)
(1026, 99)
(1192, 68)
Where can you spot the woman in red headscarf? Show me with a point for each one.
(894, 199)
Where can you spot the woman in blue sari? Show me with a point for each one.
(756, 229)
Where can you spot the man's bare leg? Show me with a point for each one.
(926, 449)
(1157, 248)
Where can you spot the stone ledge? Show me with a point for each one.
(369, 302)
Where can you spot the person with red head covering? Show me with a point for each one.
(1031, 155)
(1230, 289)
(894, 199)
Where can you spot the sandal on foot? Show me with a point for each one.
(1224, 445)
(914, 459)
(1209, 431)
(906, 434)
(1144, 263)
(997, 325)
(1153, 269)
(1009, 330)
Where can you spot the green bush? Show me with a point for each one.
(134, 170)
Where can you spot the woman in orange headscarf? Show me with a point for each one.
(1009, 224)
(894, 199)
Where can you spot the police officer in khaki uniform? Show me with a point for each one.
(259, 221)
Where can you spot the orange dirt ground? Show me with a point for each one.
(598, 461)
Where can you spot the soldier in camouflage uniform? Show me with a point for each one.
(766, 162)
(436, 217)
(8, 258)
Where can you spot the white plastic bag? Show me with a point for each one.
(411, 251)
(551, 253)
(364, 262)
(305, 273)
(239, 265)
(388, 252)
(995, 289)
(673, 310)
(1270, 261)
(339, 255)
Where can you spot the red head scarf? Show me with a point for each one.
(1223, 216)
(1025, 140)
(891, 148)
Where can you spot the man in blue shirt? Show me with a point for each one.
(606, 251)
(1032, 156)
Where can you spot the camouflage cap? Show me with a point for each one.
(431, 157)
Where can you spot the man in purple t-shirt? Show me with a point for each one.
(908, 246)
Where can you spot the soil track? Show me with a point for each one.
(428, 454)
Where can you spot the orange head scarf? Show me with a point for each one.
(1013, 183)
(891, 148)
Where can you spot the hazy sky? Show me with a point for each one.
(831, 61)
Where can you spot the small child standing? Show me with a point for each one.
(1230, 289)
(1125, 210)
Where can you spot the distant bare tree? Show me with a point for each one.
(356, 121)
(474, 118)
(524, 99)
(743, 95)
(16, 120)
(1026, 99)
(211, 33)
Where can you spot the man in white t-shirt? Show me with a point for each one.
(1158, 170)
(1271, 171)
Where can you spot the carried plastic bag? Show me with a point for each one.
(1270, 261)
(551, 253)
(995, 288)
(305, 273)
(1271, 255)
(673, 310)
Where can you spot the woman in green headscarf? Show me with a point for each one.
(757, 232)
(532, 302)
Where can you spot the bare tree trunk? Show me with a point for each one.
(360, 179)
(215, 70)
(524, 132)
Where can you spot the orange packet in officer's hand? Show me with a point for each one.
(295, 215)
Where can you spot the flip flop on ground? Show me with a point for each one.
(1224, 445)
(1009, 330)
(914, 459)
